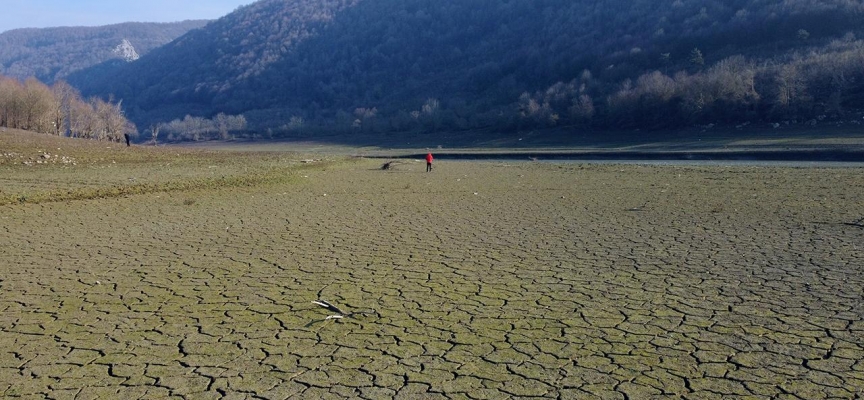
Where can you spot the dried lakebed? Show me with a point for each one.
(488, 280)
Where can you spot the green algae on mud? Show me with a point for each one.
(490, 279)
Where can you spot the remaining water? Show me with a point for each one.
(711, 163)
(723, 163)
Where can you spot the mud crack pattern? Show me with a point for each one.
(489, 280)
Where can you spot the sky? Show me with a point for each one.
(51, 13)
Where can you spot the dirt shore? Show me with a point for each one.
(479, 280)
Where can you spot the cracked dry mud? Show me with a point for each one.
(490, 280)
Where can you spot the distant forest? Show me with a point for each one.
(49, 54)
(490, 65)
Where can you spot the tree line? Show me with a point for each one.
(824, 82)
(223, 127)
(60, 110)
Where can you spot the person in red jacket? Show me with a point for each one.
(429, 162)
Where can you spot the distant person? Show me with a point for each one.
(126, 136)
(429, 162)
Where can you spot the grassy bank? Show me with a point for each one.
(41, 168)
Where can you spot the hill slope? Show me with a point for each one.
(53, 53)
(395, 65)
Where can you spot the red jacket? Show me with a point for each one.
(429, 158)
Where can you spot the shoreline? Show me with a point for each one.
(747, 156)
(716, 146)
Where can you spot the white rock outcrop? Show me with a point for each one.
(126, 51)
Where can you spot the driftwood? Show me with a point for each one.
(338, 312)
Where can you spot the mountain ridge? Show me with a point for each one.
(380, 65)
(53, 53)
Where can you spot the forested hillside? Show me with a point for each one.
(53, 53)
(424, 65)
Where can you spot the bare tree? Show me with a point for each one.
(83, 120)
(37, 104)
(582, 109)
(112, 123)
(11, 93)
(199, 128)
(296, 124)
(64, 95)
(791, 87)
(365, 118)
(58, 109)
(656, 86)
(154, 132)
(734, 80)
(221, 121)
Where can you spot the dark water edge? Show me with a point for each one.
(833, 156)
